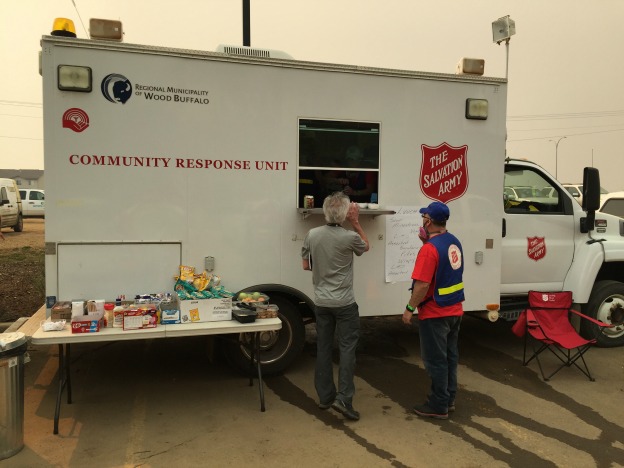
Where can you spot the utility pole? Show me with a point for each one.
(246, 23)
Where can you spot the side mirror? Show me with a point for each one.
(591, 189)
(591, 197)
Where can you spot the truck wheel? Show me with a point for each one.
(278, 349)
(606, 303)
(19, 227)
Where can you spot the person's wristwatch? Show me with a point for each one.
(410, 308)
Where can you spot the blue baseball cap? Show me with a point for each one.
(437, 211)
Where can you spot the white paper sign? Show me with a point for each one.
(402, 243)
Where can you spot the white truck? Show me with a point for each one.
(33, 203)
(161, 157)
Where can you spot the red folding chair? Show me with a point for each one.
(546, 324)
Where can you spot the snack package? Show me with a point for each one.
(187, 273)
(201, 282)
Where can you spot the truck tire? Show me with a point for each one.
(278, 349)
(19, 227)
(606, 303)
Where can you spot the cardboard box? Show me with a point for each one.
(169, 310)
(136, 319)
(89, 323)
(170, 316)
(206, 310)
(61, 311)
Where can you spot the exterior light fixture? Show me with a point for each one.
(502, 29)
(107, 30)
(63, 27)
(470, 66)
(476, 109)
(74, 78)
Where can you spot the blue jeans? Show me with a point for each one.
(345, 321)
(440, 354)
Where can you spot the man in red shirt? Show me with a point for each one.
(437, 293)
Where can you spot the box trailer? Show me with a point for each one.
(159, 157)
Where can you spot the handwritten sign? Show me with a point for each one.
(402, 243)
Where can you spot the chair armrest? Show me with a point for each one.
(593, 320)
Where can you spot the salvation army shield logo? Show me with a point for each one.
(444, 172)
(536, 248)
(455, 257)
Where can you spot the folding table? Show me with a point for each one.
(65, 338)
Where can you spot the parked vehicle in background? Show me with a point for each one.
(33, 203)
(510, 193)
(546, 195)
(10, 206)
(576, 190)
(613, 204)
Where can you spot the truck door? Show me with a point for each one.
(538, 236)
(33, 204)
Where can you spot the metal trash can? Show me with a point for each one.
(12, 358)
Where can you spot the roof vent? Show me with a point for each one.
(250, 52)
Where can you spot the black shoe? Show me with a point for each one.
(346, 410)
(325, 406)
(451, 407)
(426, 411)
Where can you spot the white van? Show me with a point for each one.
(33, 203)
(10, 206)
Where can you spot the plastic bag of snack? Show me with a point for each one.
(187, 273)
(201, 282)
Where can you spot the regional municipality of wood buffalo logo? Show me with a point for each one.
(536, 248)
(444, 172)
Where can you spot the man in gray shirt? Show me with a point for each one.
(328, 251)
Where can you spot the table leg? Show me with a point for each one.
(256, 343)
(68, 373)
(252, 351)
(64, 380)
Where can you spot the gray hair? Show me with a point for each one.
(336, 207)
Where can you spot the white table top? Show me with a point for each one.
(65, 336)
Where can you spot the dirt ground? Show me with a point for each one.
(32, 236)
(22, 271)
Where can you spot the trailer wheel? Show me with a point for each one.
(19, 227)
(278, 349)
(606, 303)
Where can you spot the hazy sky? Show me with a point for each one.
(565, 61)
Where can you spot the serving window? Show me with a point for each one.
(338, 156)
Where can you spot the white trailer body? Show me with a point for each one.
(175, 155)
